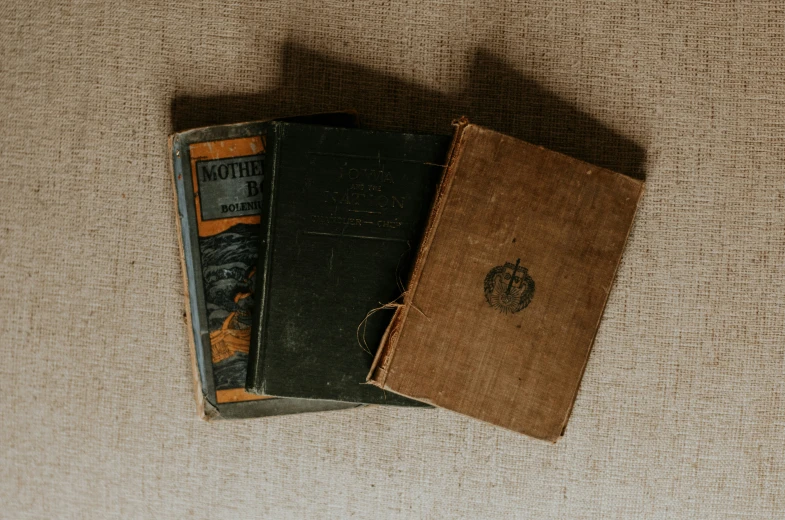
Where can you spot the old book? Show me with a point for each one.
(344, 217)
(217, 173)
(510, 283)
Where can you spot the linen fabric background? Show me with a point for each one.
(681, 413)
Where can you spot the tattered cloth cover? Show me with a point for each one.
(515, 267)
(681, 412)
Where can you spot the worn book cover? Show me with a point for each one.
(510, 283)
(218, 174)
(344, 215)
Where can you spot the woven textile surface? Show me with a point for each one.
(682, 409)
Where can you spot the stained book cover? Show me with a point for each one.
(344, 217)
(510, 283)
(218, 174)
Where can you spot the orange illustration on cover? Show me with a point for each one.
(233, 337)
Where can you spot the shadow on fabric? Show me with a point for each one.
(495, 95)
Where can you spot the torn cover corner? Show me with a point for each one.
(377, 376)
(208, 411)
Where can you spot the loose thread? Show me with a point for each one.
(393, 304)
(421, 312)
(398, 278)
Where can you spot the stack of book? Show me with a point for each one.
(328, 266)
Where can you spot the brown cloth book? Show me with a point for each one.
(510, 283)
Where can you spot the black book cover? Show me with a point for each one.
(343, 219)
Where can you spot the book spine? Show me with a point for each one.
(205, 411)
(380, 368)
(256, 355)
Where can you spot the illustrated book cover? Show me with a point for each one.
(510, 283)
(218, 174)
(343, 219)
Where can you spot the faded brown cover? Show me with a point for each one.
(510, 283)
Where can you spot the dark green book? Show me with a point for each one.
(343, 220)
